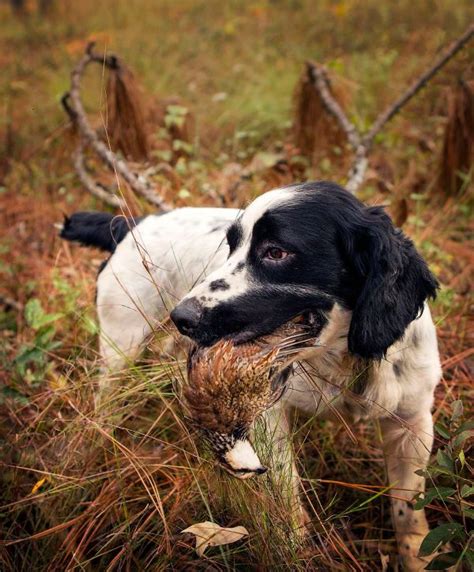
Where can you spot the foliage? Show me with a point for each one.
(32, 359)
(451, 477)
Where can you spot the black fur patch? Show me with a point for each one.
(218, 285)
(102, 230)
(240, 266)
(257, 313)
(234, 236)
(397, 368)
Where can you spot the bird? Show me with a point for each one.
(230, 385)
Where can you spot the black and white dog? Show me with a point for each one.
(311, 250)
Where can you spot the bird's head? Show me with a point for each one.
(235, 453)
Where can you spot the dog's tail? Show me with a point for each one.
(101, 230)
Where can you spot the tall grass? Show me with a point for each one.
(110, 488)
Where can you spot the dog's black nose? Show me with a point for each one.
(186, 316)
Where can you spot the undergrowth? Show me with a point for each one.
(86, 490)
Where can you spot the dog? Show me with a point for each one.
(311, 250)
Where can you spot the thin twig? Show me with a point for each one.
(92, 186)
(317, 74)
(73, 105)
(393, 109)
(362, 143)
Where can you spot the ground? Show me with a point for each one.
(78, 493)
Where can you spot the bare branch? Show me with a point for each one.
(318, 76)
(73, 105)
(92, 186)
(356, 174)
(361, 144)
(385, 116)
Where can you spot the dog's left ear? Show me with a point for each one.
(394, 283)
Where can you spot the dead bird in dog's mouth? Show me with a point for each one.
(229, 386)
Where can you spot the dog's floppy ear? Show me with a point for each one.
(394, 282)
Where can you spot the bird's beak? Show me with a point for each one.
(242, 462)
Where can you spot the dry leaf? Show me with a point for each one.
(38, 485)
(384, 560)
(211, 534)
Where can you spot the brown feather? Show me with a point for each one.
(229, 385)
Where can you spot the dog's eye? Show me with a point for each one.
(275, 253)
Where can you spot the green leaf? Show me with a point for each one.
(444, 460)
(469, 512)
(33, 312)
(48, 319)
(467, 491)
(434, 470)
(462, 458)
(457, 409)
(439, 536)
(12, 393)
(174, 120)
(176, 109)
(466, 426)
(36, 317)
(469, 556)
(443, 561)
(29, 354)
(461, 438)
(44, 336)
(418, 197)
(431, 494)
(442, 430)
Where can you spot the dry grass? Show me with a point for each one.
(117, 497)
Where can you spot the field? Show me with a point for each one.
(82, 490)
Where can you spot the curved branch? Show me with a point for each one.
(94, 188)
(356, 174)
(320, 81)
(393, 109)
(362, 143)
(73, 104)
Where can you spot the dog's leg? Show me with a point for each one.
(278, 453)
(123, 330)
(407, 447)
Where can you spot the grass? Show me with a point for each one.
(82, 494)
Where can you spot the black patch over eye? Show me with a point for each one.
(275, 253)
(234, 236)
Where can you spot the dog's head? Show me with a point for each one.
(300, 250)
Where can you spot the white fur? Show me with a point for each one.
(151, 270)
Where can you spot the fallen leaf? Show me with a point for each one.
(38, 485)
(384, 561)
(211, 534)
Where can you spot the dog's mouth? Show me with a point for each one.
(310, 322)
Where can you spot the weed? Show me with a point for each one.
(451, 477)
